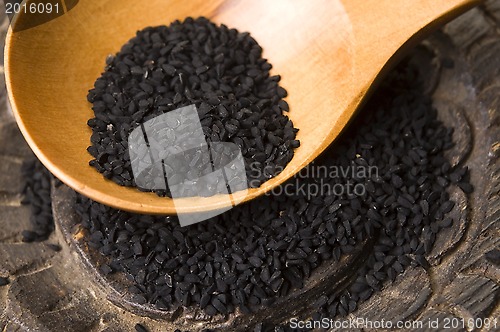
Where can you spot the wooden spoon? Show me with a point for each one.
(330, 53)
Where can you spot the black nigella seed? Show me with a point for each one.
(422, 261)
(106, 269)
(192, 278)
(210, 310)
(466, 187)
(446, 222)
(284, 105)
(54, 247)
(29, 236)
(281, 92)
(447, 206)
(140, 299)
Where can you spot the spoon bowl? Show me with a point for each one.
(330, 54)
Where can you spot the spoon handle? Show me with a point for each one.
(382, 36)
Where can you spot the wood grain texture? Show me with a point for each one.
(461, 282)
(327, 52)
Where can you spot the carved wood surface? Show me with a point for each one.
(60, 291)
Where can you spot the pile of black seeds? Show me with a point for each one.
(254, 253)
(408, 202)
(218, 69)
(36, 193)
